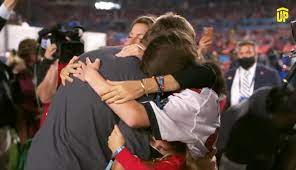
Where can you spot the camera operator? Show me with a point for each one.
(48, 67)
(65, 44)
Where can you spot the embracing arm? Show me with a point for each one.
(132, 112)
(148, 114)
(194, 76)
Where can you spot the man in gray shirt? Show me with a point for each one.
(78, 124)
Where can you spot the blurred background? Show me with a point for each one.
(232, 21)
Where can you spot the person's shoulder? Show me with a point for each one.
(110, 48)
(197, 95)
(260, 94)
(266, 68)
(230, 71)
(102, 52)
(262, 90)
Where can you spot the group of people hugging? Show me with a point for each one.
(152, 104)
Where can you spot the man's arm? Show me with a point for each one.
(5, 11)
(47, 88)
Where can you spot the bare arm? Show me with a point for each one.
(6, 8)
(10, 4)
(123, 91)
(132, 112)
(47, 88)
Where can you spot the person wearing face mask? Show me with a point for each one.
(243, 80)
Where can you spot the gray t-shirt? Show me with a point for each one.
(75, 133)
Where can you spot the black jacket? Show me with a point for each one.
(7, 105)
(264, 76)
(2, 23)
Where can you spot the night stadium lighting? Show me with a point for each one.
(102, 5)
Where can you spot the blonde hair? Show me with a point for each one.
(208, 162)
(148, 20)
(169, 21)
(191, 163)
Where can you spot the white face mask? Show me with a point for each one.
(45, 43)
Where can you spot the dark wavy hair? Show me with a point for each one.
(219, 85)
(168, 52)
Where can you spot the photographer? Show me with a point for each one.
(48, 68)
(61, 43)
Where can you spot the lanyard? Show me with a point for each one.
(160, 82)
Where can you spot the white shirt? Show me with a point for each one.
(191, 118)
(235, 89)
(4, 12)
